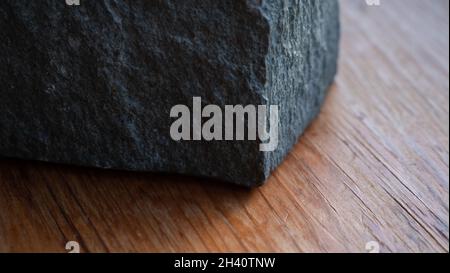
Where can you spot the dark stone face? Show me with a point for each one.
(94, 84)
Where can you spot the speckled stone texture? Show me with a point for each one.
(93, 85)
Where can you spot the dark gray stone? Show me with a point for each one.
(93, 85)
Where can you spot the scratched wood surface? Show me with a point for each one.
(373, 167)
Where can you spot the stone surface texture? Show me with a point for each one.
(93, 85)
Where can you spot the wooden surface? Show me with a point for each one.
(373, 167)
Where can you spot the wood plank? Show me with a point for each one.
(373, 167)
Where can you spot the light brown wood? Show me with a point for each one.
(373, 167)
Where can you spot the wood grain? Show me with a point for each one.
(373, 167)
